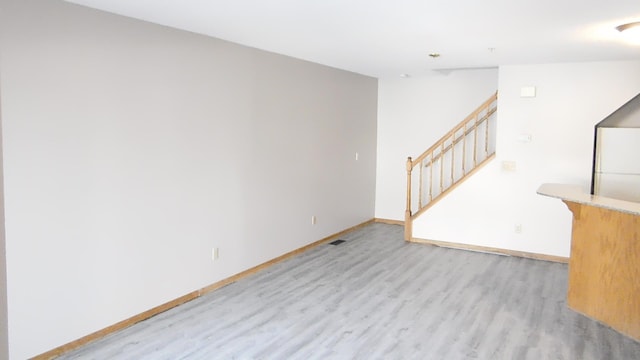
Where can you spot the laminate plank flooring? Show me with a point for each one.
(377, 297)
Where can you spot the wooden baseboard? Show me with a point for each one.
(51, 354)
(389, 221)
(522, 254)
(280, 258)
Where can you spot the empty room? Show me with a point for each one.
(319, 180)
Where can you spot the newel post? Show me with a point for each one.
(407, 214)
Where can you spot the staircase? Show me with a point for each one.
(452, 159)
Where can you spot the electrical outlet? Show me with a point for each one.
(357, 156)
(518, 229)
(215, 253)
(313, 220)
(509, 165)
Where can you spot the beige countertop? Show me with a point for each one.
(575, 193)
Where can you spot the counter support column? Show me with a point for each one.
(604, 267)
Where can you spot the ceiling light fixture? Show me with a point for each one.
(434, 55)
(405, 76)
(631, 31)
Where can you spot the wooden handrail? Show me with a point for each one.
(482, 119)
(480, 108)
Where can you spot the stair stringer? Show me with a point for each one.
(476, 213)
(455, 218)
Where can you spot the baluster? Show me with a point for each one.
(431, 178)
(475, 140)
(464, 148)
(486, 135)
(441, 166)
(420, 190)
(453, 151)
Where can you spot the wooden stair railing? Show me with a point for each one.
(451, 160)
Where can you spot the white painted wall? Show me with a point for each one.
(4, 331)
(414, 113)
(130, 150)
(571, 99)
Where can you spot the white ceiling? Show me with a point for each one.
(384, 38)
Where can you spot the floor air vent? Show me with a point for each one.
(337, 242)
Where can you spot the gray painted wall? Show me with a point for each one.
(4, 335)
(131, 150)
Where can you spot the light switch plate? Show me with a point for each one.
(528, 91)
(509, 165)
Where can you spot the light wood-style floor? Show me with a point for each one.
(377, 297)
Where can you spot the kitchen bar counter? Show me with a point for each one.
(604, 265)
(574, 193)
